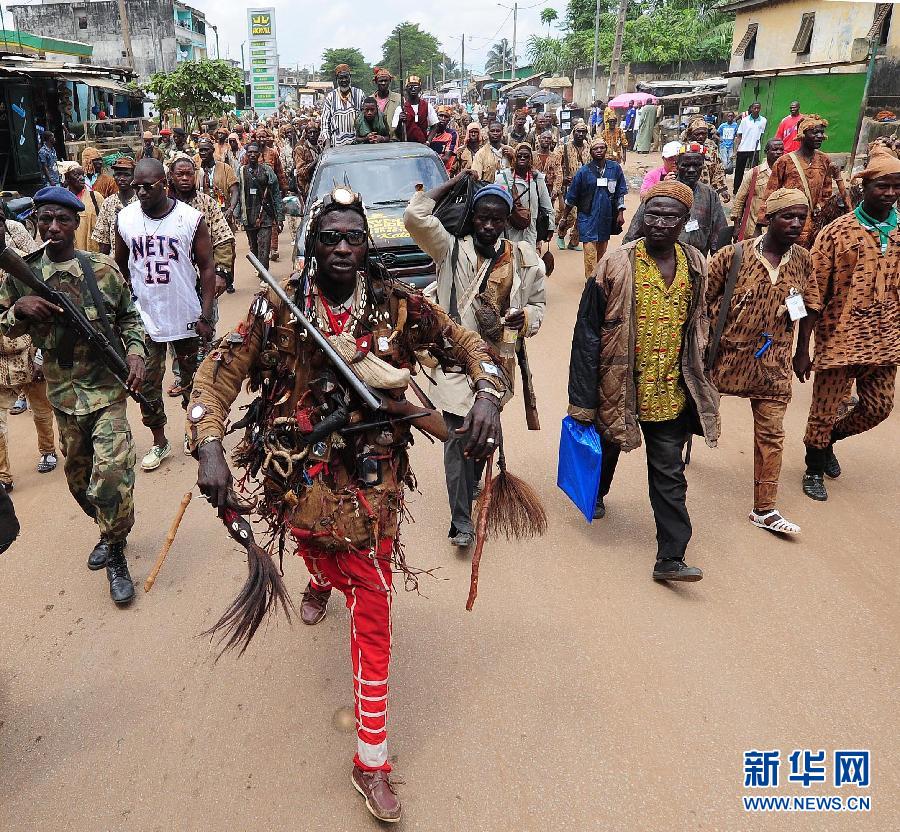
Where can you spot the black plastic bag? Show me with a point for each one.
(455, 210)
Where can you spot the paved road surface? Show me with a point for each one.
(579, 695)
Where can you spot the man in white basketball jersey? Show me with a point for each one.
(162, 244)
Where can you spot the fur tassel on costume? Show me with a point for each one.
(261, 595)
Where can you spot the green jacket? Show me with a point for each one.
(379, 126)
(249, 205)
(87, 385)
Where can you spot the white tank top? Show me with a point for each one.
(163, 277)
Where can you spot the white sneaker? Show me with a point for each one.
(155, 456)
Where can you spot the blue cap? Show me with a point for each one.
(57, 195)
(494, 190)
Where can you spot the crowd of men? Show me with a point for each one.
(696, 303)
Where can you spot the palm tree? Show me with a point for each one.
(548, 15)
(451, 67)
(499, 57)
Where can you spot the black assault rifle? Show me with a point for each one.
(75, 319)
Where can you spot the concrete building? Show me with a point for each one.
(817, 52)
(163, 32)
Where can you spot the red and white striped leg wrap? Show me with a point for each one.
(366, 581)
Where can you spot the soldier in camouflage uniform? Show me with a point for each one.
(88, 400)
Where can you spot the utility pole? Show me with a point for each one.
(617, 51)
(463, 86)
(515, 19)
(126, 33)
(216, 30)
(596, 44)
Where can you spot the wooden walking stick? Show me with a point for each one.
(170, 537)
(480, 532)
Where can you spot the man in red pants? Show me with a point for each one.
(333, 472)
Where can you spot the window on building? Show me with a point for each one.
(881, 24)
(804, 36)
(747, 45)
(82, 21)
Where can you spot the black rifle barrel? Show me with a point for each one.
(356, 384)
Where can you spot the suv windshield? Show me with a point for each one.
(381, 181)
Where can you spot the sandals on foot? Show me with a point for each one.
(772, 521)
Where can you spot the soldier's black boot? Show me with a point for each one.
(121, 587)
(97, 558)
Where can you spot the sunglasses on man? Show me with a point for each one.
(333, 238)
(148, 187)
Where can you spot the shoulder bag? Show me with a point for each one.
(520, 217)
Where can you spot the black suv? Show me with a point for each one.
(386, 176)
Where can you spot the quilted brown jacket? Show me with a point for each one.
(602, 381)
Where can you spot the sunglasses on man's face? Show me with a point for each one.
(333, 238)
(140, 186)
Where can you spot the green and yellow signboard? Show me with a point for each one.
(263, 60)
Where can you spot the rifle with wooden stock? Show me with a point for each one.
(529, 398)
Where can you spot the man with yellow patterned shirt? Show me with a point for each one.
(642, 373)
(616, 141)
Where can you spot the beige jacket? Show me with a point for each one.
(451, 391)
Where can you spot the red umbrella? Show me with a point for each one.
(622, 101)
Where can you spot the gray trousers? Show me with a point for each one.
(463, 474)
(260, 242)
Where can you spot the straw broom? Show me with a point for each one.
(508, 506)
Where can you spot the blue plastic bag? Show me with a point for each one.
(580, 460)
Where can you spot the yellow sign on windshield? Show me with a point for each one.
(385, 227)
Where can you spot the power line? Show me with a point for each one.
(491, 38)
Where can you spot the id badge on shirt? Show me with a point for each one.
(692, 225)
(796, 308)
(253, 192)
(602, 182)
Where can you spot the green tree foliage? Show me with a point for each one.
(197, 89)
(451, 66)
(499, 57)
(553, 55)
(360, 68)
(656, 30)
(548, 15)
(421, 50)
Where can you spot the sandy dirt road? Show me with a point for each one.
(579, 695)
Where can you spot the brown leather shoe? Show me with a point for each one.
(314, 604)
(381, 796)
